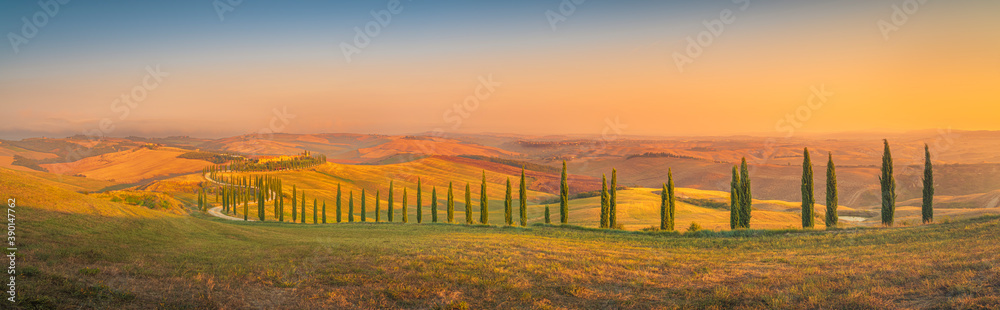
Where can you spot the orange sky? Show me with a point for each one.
(941, 69)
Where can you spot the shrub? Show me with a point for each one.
(694, 227)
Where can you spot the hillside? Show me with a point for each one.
(131, 165)
(194, 262)
(38, 193)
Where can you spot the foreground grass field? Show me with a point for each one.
(88, 261)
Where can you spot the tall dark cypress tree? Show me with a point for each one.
(746, 198)
(324, 211)
(378, 210)
(831, 194)
(315, 212)
(451, 204)
(388, 204)
(246, 206)
(888, 184)
(548, 220)
(281, 205)
(303, 217)
(664, 208)
(522, 196)
(420, 209)
(295, 204)
(364, 212)
(434, 205)
(484, 203)
(671, 200)
(277, 203)
(406, 217)
(808, 198)
(468, 204)
(613, 200)
(734, 200)
(927, 208)
(564, 197)
(508, 206)
(605, 211)
(340, 218)
(350, 207)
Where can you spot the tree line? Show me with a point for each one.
(237, 191)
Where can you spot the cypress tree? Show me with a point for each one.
(547, 219)
(281, 206)
(223, 193)
(324, 211)
(831, 194)
(746, 198)
(468, 204)
(339, 209)
(389, 205)
(420, 209)
(888, 184)
(523, 200)
(364, 212)
(671, 199)
(406, 218)
(303, 217)
(564, 197)
(605, 211)
(808, 199)
(350, 207)
(484, 203)
(927, 208)
(295, 206)
(434, 205)
(734, 200)
(315, 213)
(508, 206)
(613, 200)
(664, 208)
(451, 204)
(277, 205)
(378, 211)
(246, 208)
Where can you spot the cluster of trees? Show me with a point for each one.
(240, 164)
(887, 183)
(239, 190)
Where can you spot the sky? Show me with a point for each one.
(215, 68)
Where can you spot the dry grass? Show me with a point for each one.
(204, 263)
(130, 166)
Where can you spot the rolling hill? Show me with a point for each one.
(131, 165)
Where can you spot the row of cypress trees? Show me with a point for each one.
(887, 183)
(239, 190)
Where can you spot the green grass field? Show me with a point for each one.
(76, 260)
